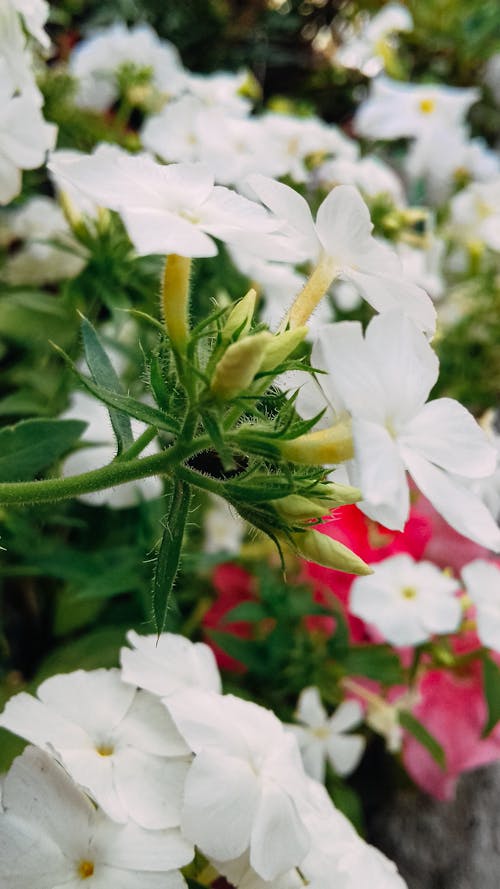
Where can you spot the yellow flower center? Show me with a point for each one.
(427, 106)
(85, 869)
(105, 749)
(409, 592)
(321, 732)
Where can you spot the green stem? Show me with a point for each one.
(138, 446)
(116, 473)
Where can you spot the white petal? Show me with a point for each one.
(207, 719)
(28, 857)
(150, 787)
(445, 433)
(290, 207)
(310, 710)
(482, 580)
(385, 293)
(10, 180)
(313, 754)
(348, 714)
(221, 796)
(132, 848)
(160, 231)
(462, 510)
(441, 613)
(149, 727)
(169, 663)
(96, 700)
(344, 226)
(95, 773)
(27, 717)
(382, 476)
(280, 839)
(105, 877)
(344, 752)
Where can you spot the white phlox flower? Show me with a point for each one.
(224, 530)
(339, 858)
(395, 109)
(166, 209)
(245, 788)
(25, 137)
(52, 836)
(371, 175)
(364, 51)
(322, 738)
(340, 242)
(34, 14)
(424, 265)
(222, 90)
(383, 381)
(482, 582)
(489, 489)
(475, 215)
(117, 743)
(16, 58)
(96, 62)
(37, 224)
(241, 875)
(168, 664)
(407, 601)
(101, 450)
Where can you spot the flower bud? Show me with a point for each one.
(318, 548)
(323, 498)
(235, 371)
(282, 345)
(336, 494)
(330, 445)
(175, 298)
(240, 316)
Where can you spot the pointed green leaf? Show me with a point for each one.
(33, 445)
(491, 681)
(167, 563)
(377, 662)
(420, 733)
(103, 373)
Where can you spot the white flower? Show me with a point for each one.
(221, 90)
(475, 214)
(169, 664)
(117, 743)
(51, 835)
(223, 528)
(341, 244)
(383, 381)
(339, 858)
(395, 109)
(371, 175)
(365, 50)
(292, 140)
(482, 581)
(166, 209)
(424, 265)
(323, 738)
(25, 137)
(489, 489)
(101, 450)
(407, 601)
(38, 223)
(34, 14)
(15, 56)
(97, 61)
(245, 787)
(242, 875)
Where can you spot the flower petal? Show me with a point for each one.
(385, 292)
(344, 752)
(382, 476)
(280, 839)
(150, 787)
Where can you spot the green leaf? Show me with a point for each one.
(33, 445)
(377, 662)
(103, 373)
(248, 652)
(167, 563)
(420, 733)
(491, 681)
(245, 611)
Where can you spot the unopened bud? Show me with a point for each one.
(175, 298)
(282, 345)
(336, 494)
(71, 213)
(321, 549)
(240, 316)
(235, 371)
(330, 445)
(323, 498)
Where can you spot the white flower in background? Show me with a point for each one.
(341, 243)
(383, 380)
(222, 90)
(37, 224)
(407, 601)
(339, 858)
(16, 58)
(364, 51)
(101, 450)
(482, 582)
(242, 875)
(168, 664)
(97, 61)
(475, 215)
(118, 743)
(489, 489)
(395, 109)
(223, 528)
(292, 140)
(34, 14)
(177, 132)
(445, 156)
(246, 786)
(25, 137)
(424, 265)
(371, 175)
(166, 209)
(51, 835)
(321, 738)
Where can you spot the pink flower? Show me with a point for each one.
(233, 585)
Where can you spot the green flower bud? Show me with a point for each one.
(240, 315)
(318, 548)
(282, 345)
(330, 445)
(235, 371)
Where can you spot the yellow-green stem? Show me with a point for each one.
(175, 298)
(312, 292)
